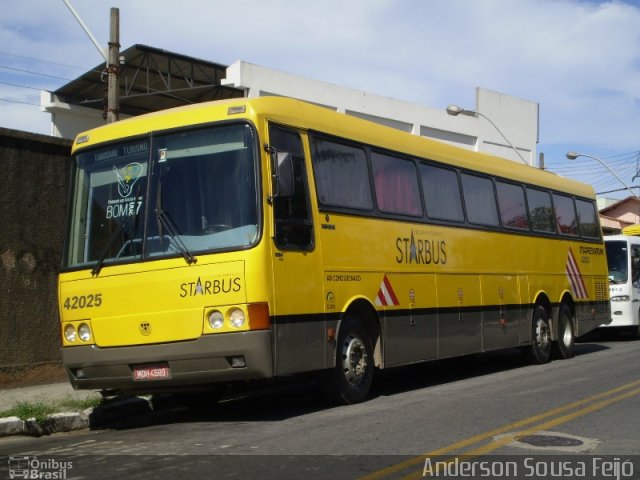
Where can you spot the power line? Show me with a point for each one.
(617, 190)
(21, 86)
(34, 73)
(18, 101)
(42, 61)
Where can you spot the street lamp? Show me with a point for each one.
(574, 155)
(455, 110)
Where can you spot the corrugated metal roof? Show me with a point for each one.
(151, 79)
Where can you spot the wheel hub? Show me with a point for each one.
(542, 335)
(354, 359)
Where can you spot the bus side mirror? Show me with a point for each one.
(283, 174)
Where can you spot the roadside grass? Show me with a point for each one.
(41, 411)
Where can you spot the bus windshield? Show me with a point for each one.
(617, 259)
(167, 195)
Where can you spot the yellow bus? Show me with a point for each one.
(250, 239)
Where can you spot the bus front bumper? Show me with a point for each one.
(210, 359)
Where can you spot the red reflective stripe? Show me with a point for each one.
(389, 291)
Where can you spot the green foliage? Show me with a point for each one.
(41, 410)
(26, 410)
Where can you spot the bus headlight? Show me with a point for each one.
(84, 332)
(621, 298)
(70, 333)
(237, 317)
(216, 319)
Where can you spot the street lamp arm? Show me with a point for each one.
(455, 110)
(102, 51)
(574, 155)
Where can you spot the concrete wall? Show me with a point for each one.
(516, 118)
(69, 120)
(33, 207)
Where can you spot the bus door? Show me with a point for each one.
(299, 330)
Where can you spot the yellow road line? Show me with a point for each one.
(514, 426)
(490, 447)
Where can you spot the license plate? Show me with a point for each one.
(145, 373)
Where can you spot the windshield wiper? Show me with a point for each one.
(95, 271)
(166, 221)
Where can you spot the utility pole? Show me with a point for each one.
(111, 58)
(113, 68)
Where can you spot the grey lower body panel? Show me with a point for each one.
(197, 363)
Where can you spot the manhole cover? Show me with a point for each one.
(550, 441)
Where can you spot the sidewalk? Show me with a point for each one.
(53, 393)
(48, 393)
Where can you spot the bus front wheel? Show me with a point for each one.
(540, 351)
(350, 380)
(563, 346)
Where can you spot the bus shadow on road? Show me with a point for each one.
(297, 397)
(461, 368)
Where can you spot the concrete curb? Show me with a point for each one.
(11, 426)
(102, 416)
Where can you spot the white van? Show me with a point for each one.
(623, 257)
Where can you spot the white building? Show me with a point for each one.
(77, 105)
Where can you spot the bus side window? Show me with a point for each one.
(565, 214)
(479, 199)
(540, 210)
(294, 228)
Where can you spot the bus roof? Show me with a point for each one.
(307, 116)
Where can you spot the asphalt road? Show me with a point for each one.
(493, 408)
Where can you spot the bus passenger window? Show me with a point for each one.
(513, 210)
(441, 193)
(587, 219)
(396, 184)
(480, 200)
(540, 210)
(565, 214)
(342, 175)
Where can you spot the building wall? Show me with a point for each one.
(33, 208)
(69, 120)
(516, 118)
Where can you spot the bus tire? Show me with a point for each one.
(563, 346)
(350, 380)
(540, 351)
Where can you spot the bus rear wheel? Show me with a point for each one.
(540, 351)
(563, 346)
(350, 380)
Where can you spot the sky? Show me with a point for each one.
(578, 59)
